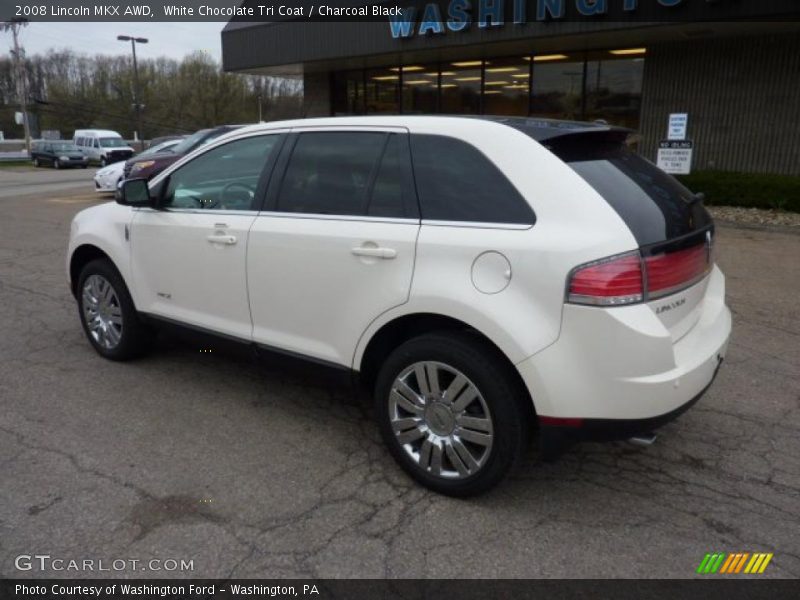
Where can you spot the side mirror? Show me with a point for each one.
(134, 192)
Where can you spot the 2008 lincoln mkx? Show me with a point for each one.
(485, 277)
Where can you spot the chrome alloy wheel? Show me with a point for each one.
(102, 311)
(441, 420)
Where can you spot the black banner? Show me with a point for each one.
(481, 13)
(731, 588)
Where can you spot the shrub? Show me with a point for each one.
(749, 190)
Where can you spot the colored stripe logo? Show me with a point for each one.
(734, 562)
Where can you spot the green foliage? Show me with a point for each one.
(70, 91)
(749, 190)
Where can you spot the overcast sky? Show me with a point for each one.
(174, 40)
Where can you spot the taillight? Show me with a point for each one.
(608, 282)
(630, 278)
(667, 273)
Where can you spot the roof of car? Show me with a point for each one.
(540, 129)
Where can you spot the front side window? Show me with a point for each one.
(457, 182)
(224, 178)
(345, 173)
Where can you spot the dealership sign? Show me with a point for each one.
(459, 15)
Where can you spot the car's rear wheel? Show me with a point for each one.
(108, 315)
(450, 413)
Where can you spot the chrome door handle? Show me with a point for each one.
(374, 252)
(222, 239)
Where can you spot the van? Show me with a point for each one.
(102, 145)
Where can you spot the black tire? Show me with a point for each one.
(495, 380)
(83, 166)
(103, 162)
(136, 337)
(56, 164)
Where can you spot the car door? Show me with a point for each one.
(188, 257)
(335, 247)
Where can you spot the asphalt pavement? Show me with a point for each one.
(243, 471)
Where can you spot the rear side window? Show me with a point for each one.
(457, 182)
(653, 204)
(345, 173)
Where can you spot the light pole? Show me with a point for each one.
(136, 98)
(22, 87)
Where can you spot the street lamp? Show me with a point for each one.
(136, 103)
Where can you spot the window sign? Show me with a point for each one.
(675, 156)
(678, 123)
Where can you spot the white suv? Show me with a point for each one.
(483, 276)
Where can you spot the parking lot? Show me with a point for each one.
(249, 472)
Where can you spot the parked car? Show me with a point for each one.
(57, 154)
(108, 178)
(156, 163)
(102, 145)
(483, 277)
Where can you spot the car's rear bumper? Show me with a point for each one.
(619, 369)
(557, 435)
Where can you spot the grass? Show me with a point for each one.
(15, 163)
(748, 190)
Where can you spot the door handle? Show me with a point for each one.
(222, 239)
(374, 252)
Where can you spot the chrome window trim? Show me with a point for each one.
(198, 211)
(324, 217)
(477, 224)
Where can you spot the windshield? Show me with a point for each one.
(193, 141)
(158, 148)
(112, 142)
(65, 147)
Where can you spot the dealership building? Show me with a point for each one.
(732, 66)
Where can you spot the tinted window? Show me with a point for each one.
(225, 178)
(331, 173)
(390, 183)
(456, 182)
(654, 205)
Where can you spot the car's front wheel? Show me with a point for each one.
(108, 315)
(451, 413)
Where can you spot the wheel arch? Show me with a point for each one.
(81, 256)
(403, 328)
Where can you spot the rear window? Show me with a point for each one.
(654, 205)
(457, 182)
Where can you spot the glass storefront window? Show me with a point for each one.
(506, 86)
(461, 87)
(382, 90)
(597, 85)
(557, 86)
(347, 95)
(420, 89)
(614, 87)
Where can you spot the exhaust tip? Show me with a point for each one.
(643, 439)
